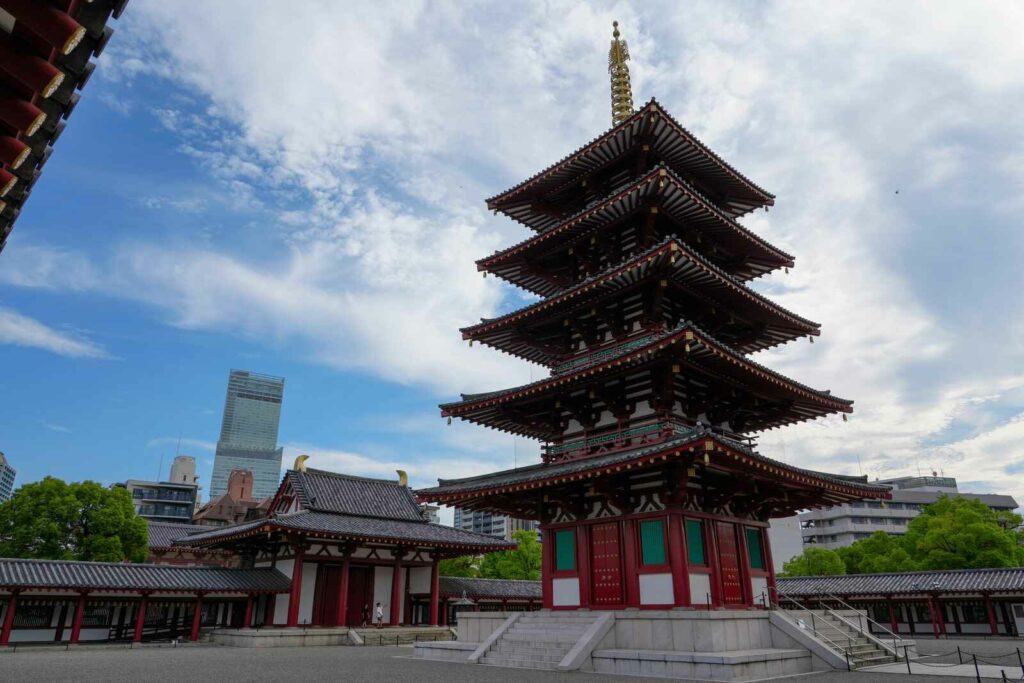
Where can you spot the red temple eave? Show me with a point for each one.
(269, 527)
(706, 445)
(684, 333)
(651, 109)
(671, 247)
(660, 175)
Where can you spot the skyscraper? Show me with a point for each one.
(6, 478)
(248, 433)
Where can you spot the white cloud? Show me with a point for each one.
(369, 135)
(21, 330)
(178, 441)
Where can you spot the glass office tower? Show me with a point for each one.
(248, 433)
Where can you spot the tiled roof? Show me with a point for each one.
(340, 493)
(136, 577)
(535, 474)
(163, 534)
(354, 527)
(475, 589)
(944, 581)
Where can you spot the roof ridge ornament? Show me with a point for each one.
(300, 463)
(622, 91)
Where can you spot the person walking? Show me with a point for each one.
(380, 616)
(366, 616)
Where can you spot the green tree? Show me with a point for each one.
(879, 552)
(960, 533)
(459, 566)
(52, 519)
(814, 562)
(521, 563)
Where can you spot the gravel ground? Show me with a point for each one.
(153, 665)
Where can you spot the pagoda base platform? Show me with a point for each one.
(723, 645)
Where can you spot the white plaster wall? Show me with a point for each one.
(381, 592)
(700, 588)
(565, 592)
(656, 589)
(308, 592)
(281, 602)
(23, 635)
(419, 580)
(759, 587)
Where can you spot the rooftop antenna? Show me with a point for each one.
(160, 468)
(177, 450)
(622, 91)
(859, 465)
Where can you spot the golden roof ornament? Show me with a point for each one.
(622, 91)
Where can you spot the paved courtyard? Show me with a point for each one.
(389, 664)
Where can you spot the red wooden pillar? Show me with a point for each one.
(5, 632)
(769, 565)
(547, 566)
(933, 610)
(296, 592)
(893, 623)
(435, 589)
(247, 619)
(444, 612)
(631, 573)
(197, 618)
(396, 589)
(583, 563)
(140, 618)
(677, 560)
(76, 622)
(343, 589)
(991, 615)
(714, 561)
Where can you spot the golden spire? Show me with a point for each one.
(622, 92)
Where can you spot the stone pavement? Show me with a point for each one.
(371, 664)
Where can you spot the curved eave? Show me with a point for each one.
(271, 527)
(687, 267)
(673, 142)
(722, 456)
(481, 408)
(672, 195)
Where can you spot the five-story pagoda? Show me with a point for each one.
(650, 493)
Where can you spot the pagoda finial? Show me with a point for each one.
(622, 92)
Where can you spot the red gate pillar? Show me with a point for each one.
(893, 623)
(583, 563)
(444, 612)
(547, 566)
(991, 615)
(140, 619)
(197, 618)
(396, 589)
(268, 609)
(933, 610)
(247, 619)
(76, 622)
(677, 560)
(435, 589)
(296, 592)
(5, 632)
(346, 562)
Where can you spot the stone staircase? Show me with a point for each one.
(539, 640)
(403, 635)
(842, 634)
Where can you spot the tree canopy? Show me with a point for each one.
(52, 519)
(951, 533)
(814, 561)
(459, 566)
(521, 563)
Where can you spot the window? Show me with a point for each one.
(565, 550)
(974, 612)
(652, 542)
(755, 548)
(695, 541)
(96, 616)
(32, 616)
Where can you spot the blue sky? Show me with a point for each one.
(300, 192)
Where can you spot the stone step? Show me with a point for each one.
(553, 657)
(518, 663)
(545, 631)
(539, 647)
(532, 638)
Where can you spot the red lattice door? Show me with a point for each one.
(729, 564)
(606, 564)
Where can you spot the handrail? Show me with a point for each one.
(814, 629)
(867, 631)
